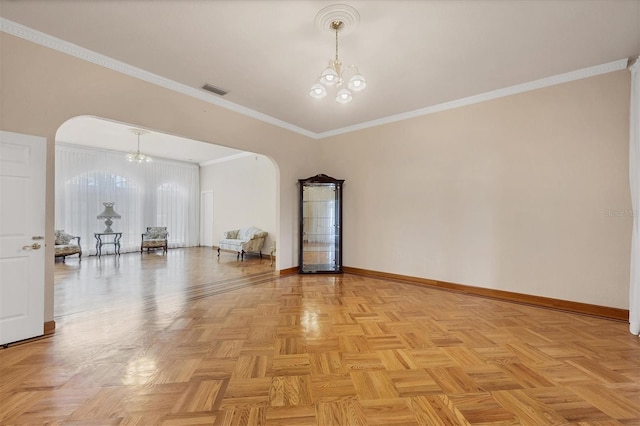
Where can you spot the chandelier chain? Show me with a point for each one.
(336, 27)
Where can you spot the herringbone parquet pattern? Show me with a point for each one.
(189, 340)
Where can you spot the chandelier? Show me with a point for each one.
(335, 73)
(138, 156)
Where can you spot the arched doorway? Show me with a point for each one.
(242, 186)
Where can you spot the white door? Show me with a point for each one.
(206, 218)
(22, 218)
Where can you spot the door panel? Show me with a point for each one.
(22, 226)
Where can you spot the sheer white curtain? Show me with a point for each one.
(160, 193)
(634, 177)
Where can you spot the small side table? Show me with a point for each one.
(115, 241)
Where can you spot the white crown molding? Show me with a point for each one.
(46, 40)
(54, 43)
(495, 94)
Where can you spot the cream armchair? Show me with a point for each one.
(67, 245)
(245, 240)
(155, 238)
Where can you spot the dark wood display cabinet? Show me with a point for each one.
(320, 225)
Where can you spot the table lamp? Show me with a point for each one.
(107, 215)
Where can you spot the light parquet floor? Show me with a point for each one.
(185, 339)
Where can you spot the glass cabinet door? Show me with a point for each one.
(320, 225)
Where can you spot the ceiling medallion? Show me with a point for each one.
(338, 12)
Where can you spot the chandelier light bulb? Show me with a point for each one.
(318, 91)
(344, 96)
(329, 76)
(357, 83)
(138, 157)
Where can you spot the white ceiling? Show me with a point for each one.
(414, 54)
(113, 136)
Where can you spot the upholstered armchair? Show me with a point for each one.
(155, 238)
(67, 245)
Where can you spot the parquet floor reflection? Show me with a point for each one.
(185, 339)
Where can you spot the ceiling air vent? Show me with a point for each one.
(214, 89)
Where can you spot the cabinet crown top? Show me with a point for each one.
(321, 178)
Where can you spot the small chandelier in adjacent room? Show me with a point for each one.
(337, 17)
(138, 156)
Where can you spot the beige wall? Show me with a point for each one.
(42, 88)
(244, 194)
(527, 193)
